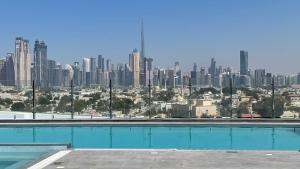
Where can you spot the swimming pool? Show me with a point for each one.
(244, 137)
(16, 156)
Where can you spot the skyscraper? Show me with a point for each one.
(142, 57)
(22, 63)
(101, 63)
(259, 77)
(243, 62)
(135, 67)
(51, 72)
(76, 74)
(178, 75)
(40, 64)
(128, 74)
(67, 75)
(93, 70)
(212, 68)
(212, 71)
(108, 65)
(148, 71)
(86, 78)
(244, 76)
(9, 70)
(58, 75)
(2, 71)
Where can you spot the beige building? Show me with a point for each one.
(22, 63)
(204, 107)
(134, 62)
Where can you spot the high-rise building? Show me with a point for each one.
(22, 63)
(148, 71)
(120, 75)
(268, 79)
(86, 78)
(259, 77)
(109, 65)
(202, 76)
(40, 65)
(142, 57)
(93, 70)
(2, 71)
(76, 74)
(194, 77)
(244, 73)
(178, 74)
(135, 67)
(9, 70)
(51, 72)
(243, 62)
(58, 75)
(128, 74)
(280, 80)
(101, 63)
(67, 75)
(212, 71)
(195, 67)
(298, 78)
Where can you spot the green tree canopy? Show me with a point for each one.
(242, 109)
(264, 107)
(43, 100)
(166, 96)
(79, 105)
(18, 106)
(123, 104)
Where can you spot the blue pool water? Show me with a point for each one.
(12, 157)
(155, 136)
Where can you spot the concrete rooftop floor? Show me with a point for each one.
(176, 159)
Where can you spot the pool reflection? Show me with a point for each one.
(195, 137)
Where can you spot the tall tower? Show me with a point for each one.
(22, 63)
(9, 70)
(40, 64)
(101, 63)
(135, 67)
(93, 70)
(148, 71)
(142, 46)
(86, 78)
(142, 57)
(243, 62)
(244, 75)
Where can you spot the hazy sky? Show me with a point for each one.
(175, 30)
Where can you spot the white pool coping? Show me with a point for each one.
(50, 160)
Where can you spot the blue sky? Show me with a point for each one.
(175, 30)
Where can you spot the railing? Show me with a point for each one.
(37, 105)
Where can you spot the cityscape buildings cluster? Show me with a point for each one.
(18, 70)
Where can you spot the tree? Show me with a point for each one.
(102, 105)
(79, 105)
(226, 90)
(62, 105)
(42, 100)
(264, 107)
(6, 102)
(18, 106)
(166, 96)
(225, 108)
(248, 92)
(43, 108)
(123, 104)
(242, 109)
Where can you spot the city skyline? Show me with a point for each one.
(194, 30)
